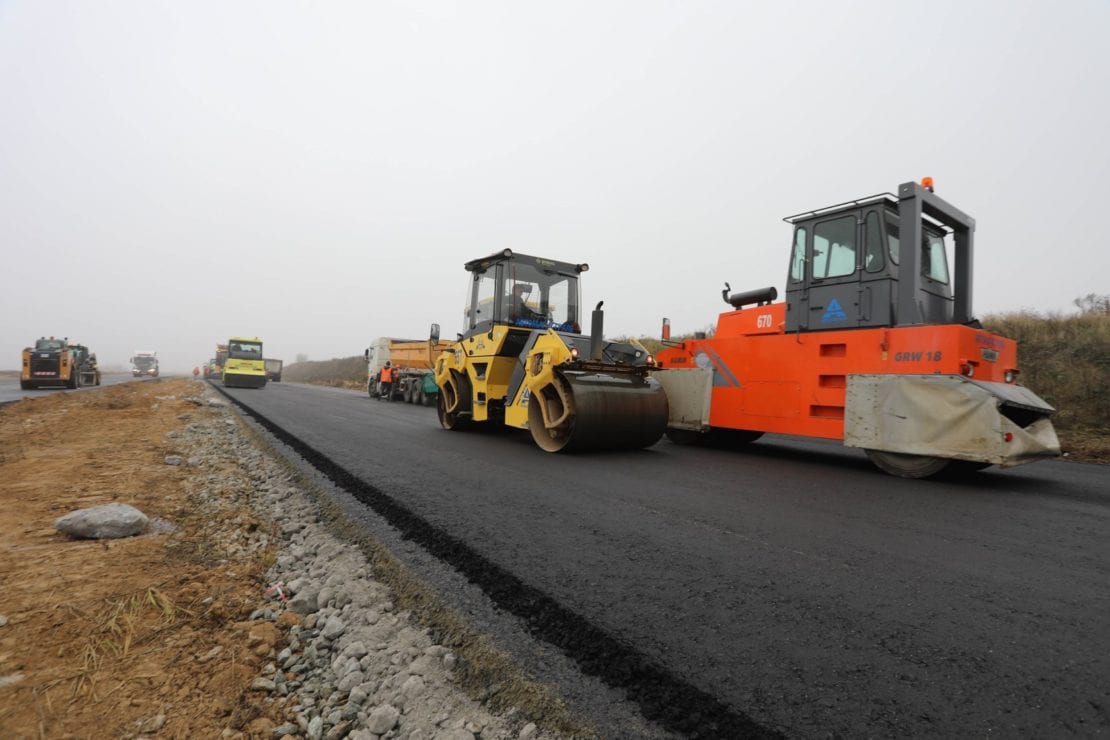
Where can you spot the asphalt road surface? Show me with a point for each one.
(10, 390)
(786, 588)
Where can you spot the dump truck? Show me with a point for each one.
(875, 345)
(411, 362)
(273, 369)
(244, 367)
(144, 363)
(523, 362)
(57, 363)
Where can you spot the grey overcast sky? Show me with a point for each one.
(174, 173)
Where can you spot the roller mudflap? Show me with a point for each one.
(587, 410)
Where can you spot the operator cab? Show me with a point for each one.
(49, 345)
(244, 349)
(849, 266)
(522, 291)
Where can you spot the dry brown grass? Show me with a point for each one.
(339, 372)
(1065, 359)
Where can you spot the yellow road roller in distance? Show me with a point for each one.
(524, 362)
(245, 366)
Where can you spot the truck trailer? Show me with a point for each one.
(410, 362)
(273, 369)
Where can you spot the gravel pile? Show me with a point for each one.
(354, 666)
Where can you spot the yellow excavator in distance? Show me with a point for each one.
(523, 362)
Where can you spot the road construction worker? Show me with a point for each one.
(386, 384)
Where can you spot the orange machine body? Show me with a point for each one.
(767, 380)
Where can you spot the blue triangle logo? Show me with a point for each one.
(834, 313)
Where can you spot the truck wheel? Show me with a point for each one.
(74, 378)
(908, 466)
(430, 399)
(418, 395)
(26, 385)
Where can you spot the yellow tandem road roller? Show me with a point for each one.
(524, 362)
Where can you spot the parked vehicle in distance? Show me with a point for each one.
(58, 363)
(411, 362)
(144, 363)
(273, 369)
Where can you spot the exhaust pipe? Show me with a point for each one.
(597, 320)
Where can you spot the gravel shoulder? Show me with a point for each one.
(240, 614)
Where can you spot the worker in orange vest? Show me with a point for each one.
(386, 384)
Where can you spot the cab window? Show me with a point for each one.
(873, 246)
(892, 237)
(798, 259)
(481, 299)
(834, 248)
(934, 261)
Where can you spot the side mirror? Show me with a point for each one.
(366, 353)
(433, 334)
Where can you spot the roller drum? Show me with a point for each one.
(598, 411)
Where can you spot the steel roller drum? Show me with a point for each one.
(607, 411)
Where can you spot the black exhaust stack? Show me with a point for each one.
(748, 297)
(597, 320)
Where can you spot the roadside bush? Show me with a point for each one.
(1065, 359)
(345, 372)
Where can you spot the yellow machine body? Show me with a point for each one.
(245, 366)
(525, 364)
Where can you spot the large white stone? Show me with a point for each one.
(110, 521)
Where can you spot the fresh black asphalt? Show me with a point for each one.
(787, 588)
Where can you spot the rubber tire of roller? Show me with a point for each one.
(908, 466)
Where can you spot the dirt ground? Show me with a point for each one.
(121, 638)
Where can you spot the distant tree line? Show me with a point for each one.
(1093, 304)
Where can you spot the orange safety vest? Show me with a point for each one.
(387, 375)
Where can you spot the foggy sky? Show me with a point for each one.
(316, 174)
